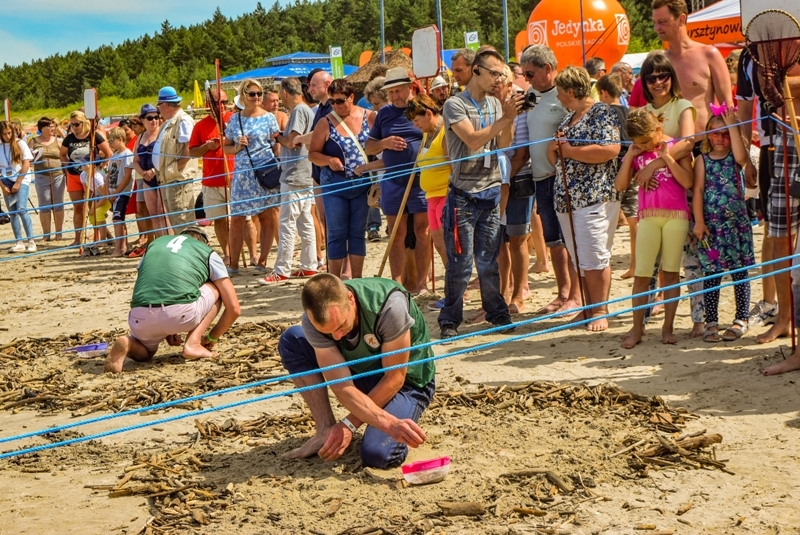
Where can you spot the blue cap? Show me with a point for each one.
(168, 94)
(147, 108)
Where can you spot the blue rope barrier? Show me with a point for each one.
(297, 390)
(432, 343)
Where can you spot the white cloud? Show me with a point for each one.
(15, 50)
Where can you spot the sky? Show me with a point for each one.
(46, 27)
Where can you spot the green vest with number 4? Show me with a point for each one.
(371, 295)
(172, 271)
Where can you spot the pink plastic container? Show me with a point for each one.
(423, 472)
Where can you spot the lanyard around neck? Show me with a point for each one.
(491, 117)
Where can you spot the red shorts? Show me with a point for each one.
(435, 211)
(74, 182)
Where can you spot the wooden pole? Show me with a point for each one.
(397, 222)
(220, 127)
(789, 108)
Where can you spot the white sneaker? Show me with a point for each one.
(19, 247)
(31, 248)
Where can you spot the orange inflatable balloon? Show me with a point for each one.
(604, 29)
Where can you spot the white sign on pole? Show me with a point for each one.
(471, 40)
(425, 52)
(749, 9)
(90, 103)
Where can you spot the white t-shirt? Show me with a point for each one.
(99, 180)
(8, 169)
(184, 133)
(543, 121)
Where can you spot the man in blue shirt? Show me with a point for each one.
(399, 140)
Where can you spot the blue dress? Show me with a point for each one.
(247, 195)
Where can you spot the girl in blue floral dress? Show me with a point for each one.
(721, 222)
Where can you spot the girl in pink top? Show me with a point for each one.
(663, 217)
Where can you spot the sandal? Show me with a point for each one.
(735, 331)
(711, 333)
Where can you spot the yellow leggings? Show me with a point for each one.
(100, 212)
(660, 234)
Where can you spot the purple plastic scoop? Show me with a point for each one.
(91, 347)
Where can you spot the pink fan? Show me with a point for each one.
(713, 254)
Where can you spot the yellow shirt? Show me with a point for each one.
(434, 180)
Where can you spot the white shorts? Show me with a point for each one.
(151, 325)
(596, 225)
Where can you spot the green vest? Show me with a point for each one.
(371, 295)
(172, 271)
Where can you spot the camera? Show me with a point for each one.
(530, 100)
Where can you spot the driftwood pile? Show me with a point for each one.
(247, 354)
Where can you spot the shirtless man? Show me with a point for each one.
(701, 68)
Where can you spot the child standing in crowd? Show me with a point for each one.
(663, 217)
(721, 222)
(98, 203)
(119, 182)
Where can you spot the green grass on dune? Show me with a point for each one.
(107, 106)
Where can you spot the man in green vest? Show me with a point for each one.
(346, 322)
(181, 287)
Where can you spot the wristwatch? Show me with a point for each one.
(349, 425)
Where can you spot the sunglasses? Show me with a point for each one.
(254, 94)
(338, 101)
(76, 125)
(661, 78)
(528, 74)
(151, 117)
(415, 109)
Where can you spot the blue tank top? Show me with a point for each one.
(342, 147)
(145, 153)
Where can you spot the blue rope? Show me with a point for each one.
(298, 390)
(430, 344)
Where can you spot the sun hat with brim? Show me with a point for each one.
(168, 94)
(196, 229)
(438, 82)
(147, 108)
(396, 76)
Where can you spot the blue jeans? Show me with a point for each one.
(479, 239)
(19, 213)
(378, 449)
(545, 207)
(374, 219)
(346, 211)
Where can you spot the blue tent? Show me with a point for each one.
(298, 57)
(278, 72)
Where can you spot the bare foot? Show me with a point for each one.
(309, 449)
(631, 338)
(474, 284)
(116, 255)
(788, 365)
(516, 307)
(116, 357)
(174, 340)
(778, 330)
(698, 330)
(658, 308)
(668, 337)
(526, 292)
(627, 275)
(58, 237)
(539, 268)
(197, 352)
(477, 318)
(598, 325)
(551, 307)
(568, 305)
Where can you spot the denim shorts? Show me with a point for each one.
(518, 216)
(545, 207)
(392, 194)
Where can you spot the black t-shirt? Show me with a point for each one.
(78, 149)
(749, 88)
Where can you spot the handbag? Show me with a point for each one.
(374, 193)
(522, 187)
(269, 176)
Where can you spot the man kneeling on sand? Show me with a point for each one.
(345, 321)
(181, 286)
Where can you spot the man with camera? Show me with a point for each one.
(539, 66)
